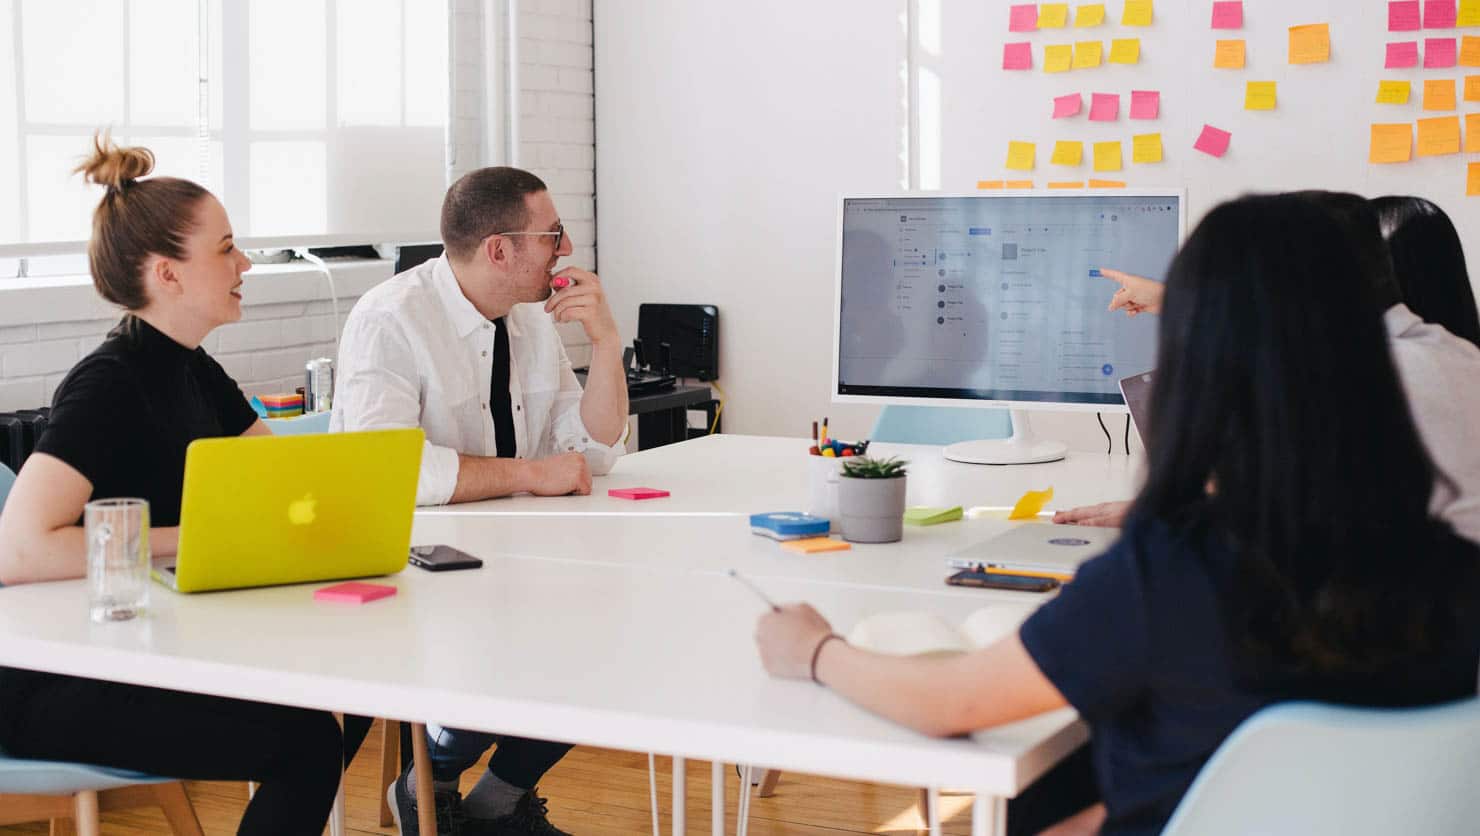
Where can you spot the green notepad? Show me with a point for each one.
(925, 515)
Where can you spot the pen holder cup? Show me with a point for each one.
(822, 487)
(871, 510)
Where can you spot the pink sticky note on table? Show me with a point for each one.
(1145, 104)
(1438, 14)
(1213, 141)
(637, 493)
(1403, 16)
(354, 592)
(1438, 53)
(1228, 14)
(1065, 106)
(1018, 56)
(1024, 18)
(1401, 54)
(1104, 107)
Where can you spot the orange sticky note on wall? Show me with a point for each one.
(1469, 51)
(1229, 55)
(1472, 133)
(1088, 54)
(989, 184)
(1058, 58)
(1472, 188)
(1067, 184)
(1438, 94)
(1438, 136)
(1310, 44)
(1106, 184)
(1146, 148)
(1020, 155)
(1066, 152)
(1031, 503)
(1472, 88)
(1391, 143)
(1019, 184)
(1108, 156)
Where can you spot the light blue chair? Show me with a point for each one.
(7, 479)
(314, 422)
(1322, 770)
(939, 425)
(46, 790)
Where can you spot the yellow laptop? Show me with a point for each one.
(271, 510)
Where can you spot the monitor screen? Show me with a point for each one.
(997, 297)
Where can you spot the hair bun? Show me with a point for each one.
(114, 167)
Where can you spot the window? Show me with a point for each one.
(312, 120)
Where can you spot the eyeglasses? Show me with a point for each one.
(559, 233)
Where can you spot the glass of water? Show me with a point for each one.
(117, 533)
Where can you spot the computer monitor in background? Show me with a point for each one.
(994, 300)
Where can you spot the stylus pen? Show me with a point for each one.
(757, 590)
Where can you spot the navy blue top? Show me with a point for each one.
(1139, 645)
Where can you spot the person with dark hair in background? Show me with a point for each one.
(161, 249)
(1257, 563)
(1429, 261)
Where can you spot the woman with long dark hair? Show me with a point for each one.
(1258, 562)
(1430, 263)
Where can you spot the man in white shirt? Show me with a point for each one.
(465, 347)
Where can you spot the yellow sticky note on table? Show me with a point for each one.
(1106, 184)
(1472, 133)
(816, 545)
(1259, 95)
(1066, 184)
(1310, 44)
(1229, 54)
(1469, 13)
(1472, 88)
(1391, 143)
(1093, 14)
(1137, 13)
(1469, 51)
(1438, 94)
(1146, 148)
(1058, 58)
(1125, 51)
(1438, 136)
(1107, 156)
(1020, 155)
(1031, 503)
(1066, 152)
(1393, 92)
(1472, 186)
(1053, 15)
(1088, 54)
(989, 184)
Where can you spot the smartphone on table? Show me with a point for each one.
(1002, 580)
(442, 559)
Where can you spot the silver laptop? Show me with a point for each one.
(1136, 390)
(1039, 548)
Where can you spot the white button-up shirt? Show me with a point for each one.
(416, 353)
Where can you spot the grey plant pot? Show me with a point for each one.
(871, 510)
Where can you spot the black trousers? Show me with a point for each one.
(295, 754)
(1060, 793)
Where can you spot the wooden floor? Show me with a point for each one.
(604, 793)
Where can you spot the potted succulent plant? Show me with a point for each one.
(871, 499)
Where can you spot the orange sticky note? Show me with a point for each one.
(1438, 94)
(1067, 184)
(1107, 184)
(1066, 152)
(1019, 184)
(1259, 95)
(1472, 187)
(1137, 13)
(1088, 54)
(1472, 133)
(1028, 507)
(1020, 155)
(1391, 143)
(1090, 14)
(1310, 44)
(1229, 55)
(1469, 51)
(816, 545)
(1053, 15)
(1125, 51)
(1472, 88)
(989, 184)
(1393, 92)
(1146, 148)
(1438, 136)
(1058, 58)
(1107, 156)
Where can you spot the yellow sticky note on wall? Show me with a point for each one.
(1229, 54)
(1088, 54)
(1438, 94)
(1108, 156)
(1053, 15)
(1058, 58)
(1137, 13)
(1093, 14)
(1469, 13)
(1438, 136)
(1020, 155)
(1146, 148)
(1393, 92)
(1067, 153)
(1259, 95)
(1472, 88)
(1391, 143)
(1472, 133)
(1310, 44)
(1030, 504)
(1472, 186)
(1125, 51)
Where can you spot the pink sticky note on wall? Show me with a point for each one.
(1025, 18)
(1213, 141)
(1403, 16)
(1438, 53)
(1228, 14)
(354, 592)
(1017, 56)
(1145, 104)
(637, 493)
(1402, 54)
(1438, 14)
(1070, 105)
(1104, 107)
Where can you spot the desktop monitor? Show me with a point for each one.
(995, 300)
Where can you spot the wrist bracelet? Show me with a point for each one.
(817, 651)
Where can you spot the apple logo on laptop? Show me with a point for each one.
(301, 511)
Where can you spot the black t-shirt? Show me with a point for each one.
(125, 414)
(1140, 646)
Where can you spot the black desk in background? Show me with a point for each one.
(663, 416)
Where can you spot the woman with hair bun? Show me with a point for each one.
(162, 250)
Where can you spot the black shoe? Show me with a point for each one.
(448, 804)
(528, 819)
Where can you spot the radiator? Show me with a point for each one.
(19, 432)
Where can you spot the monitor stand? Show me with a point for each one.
(1022, 447)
